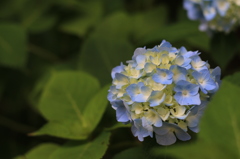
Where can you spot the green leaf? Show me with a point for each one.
(33, 12)
(136, 152)
(172, 33)
(199, 40)
(90, 150)
(235, 78)
(43, 23)
(223, 48)
(96, 107)
(40, 151)
(93, 11)
(148, 22)
(13, 42)
(73, 105)
(220, 128)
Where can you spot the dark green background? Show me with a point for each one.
(40, 37)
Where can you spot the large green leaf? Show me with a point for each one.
(90, 150)
(136, 152)
(13, 45)
(69, 102)
(220, 131)
(42, 151)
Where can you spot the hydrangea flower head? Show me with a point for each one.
(219, 15)
(163, 91)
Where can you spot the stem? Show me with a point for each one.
(41, 52)
(4, 121)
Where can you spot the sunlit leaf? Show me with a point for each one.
(69, 102)
(40, 151)
(90, 150)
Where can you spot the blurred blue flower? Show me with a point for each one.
(160, 91)
(219, 15)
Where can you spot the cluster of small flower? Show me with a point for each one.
(163, 90)
(219, 15)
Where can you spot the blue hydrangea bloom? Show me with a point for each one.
(163, 91)
(219, 15)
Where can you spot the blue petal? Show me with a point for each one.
(222, 7)
(132, 90)
(163, 76)
(181, 134)
(179, 73)
(156, 98)
(121, 111)
(139, 131)
(140, 59)
(209, 11)
(117, 69)
(194, 11)
(193, 89)
(139, 51)
(164, 43)
(187, 100)
(147, 124)
(120, 80)
(166, 139)
(194, 129)
(204, 79)
(158, 123)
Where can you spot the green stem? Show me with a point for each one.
(43, 53)
(4, 121)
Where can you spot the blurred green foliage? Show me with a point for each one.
(56, 58)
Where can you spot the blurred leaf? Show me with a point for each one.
(92, 13)
(40, 151)
(43, 74)
(136, 152)
(118, 125)
(112, 27)
(13, 41)
(11, 7)
(199, 40)
(108, 46)
(33, 11)
(220, 132)
(223, 48)
(172, 33)
(91, 150)
(110, 7)
(69, 102)
(148, 22)
(43, 23)
(235, 78)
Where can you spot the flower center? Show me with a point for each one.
(185, 92)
